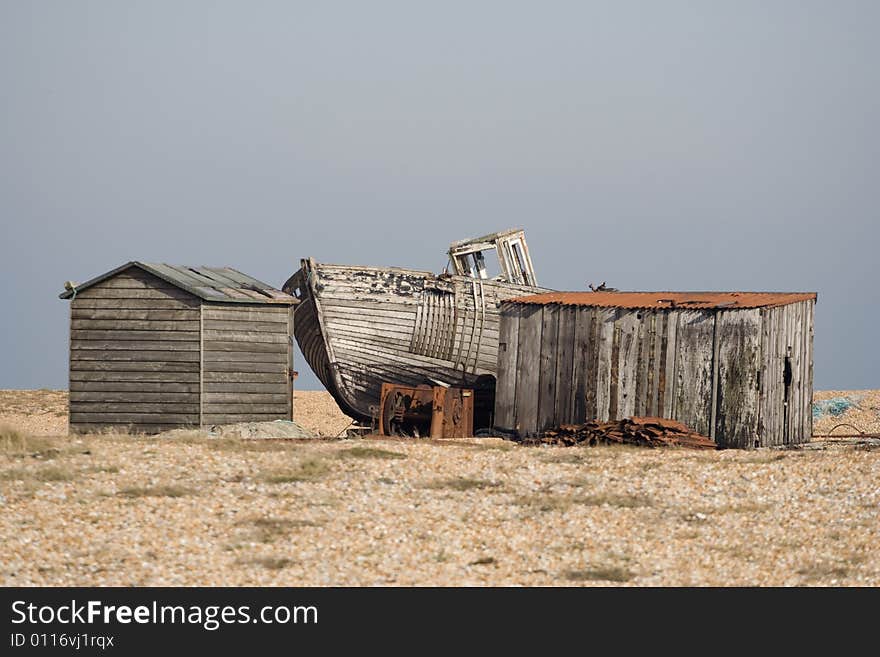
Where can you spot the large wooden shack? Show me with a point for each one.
(735, 366)
(155, 346)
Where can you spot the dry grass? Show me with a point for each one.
(369, 453)
(308, 469)
(817, 572)
(460, 484)
(268, 562)
(483, 561)
(48, 474)
(269, 529)
(546, 502)
(161, 490)
(601, 573)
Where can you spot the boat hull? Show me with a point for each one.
(361, 326)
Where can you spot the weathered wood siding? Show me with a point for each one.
(134, 355)
(245, 361)
(721, 372)
(786, 409)
(739, 362)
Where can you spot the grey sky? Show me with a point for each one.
(655, 145)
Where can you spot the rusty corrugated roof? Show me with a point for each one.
(685, 300)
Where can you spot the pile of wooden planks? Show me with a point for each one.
(640, 431)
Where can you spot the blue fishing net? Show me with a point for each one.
(835, 407)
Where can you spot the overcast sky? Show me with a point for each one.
(656, 145)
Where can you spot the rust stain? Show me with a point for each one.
(667, 300)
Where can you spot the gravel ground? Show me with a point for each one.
(123, 510)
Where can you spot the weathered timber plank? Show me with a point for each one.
(176, 335)
(505, 387)
(627, 364)
(579, 355)
(279, 396)
(120, 315)
(234, 367)
(528, 369)
(345, 313)
(693, 369)
(150, 293)
(549, 348)
(245, 327)
(211, 357)
(245, 377)
(134, 345)
(132, 366)
(242, 388)
(132, 325)
(666, 367)
(134, 377)
(123, 386)
(228, 408)
(134, 304)
(251, 347)
(134, 418)
(226, 313)
(140, 356)
(606, 319)
(564, 385)
(102, 407)
(643, 360)
(590, 318)
(738, 399)
(134, 397)
(277, 337)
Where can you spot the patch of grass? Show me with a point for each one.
(268, 529)
(506, 446)
(687, 535)
(743, 507)
(162, 490)
(575, 458)
(16, 443)
(735, 551)
(43, 474)
(306, 470)
(601, 573)
(461, 484)
(620, 501)
(760, 459)
(483, 561)
(11, 441)
(819, 571)
(369, 453)
(268, 562)
(249, 445)
(545, 502)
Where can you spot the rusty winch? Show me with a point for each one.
(424, 411)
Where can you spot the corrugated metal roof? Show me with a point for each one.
(210, 283)
(687, 300)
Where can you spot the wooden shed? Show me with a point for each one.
(156, 346)
(735, 366)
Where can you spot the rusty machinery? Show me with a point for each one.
(425, 411)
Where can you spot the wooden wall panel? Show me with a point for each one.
(528, 369)
(737, 394)
(693, 369)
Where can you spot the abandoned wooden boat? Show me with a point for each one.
(361, 326)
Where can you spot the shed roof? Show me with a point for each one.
(222, 284)
(658, 300)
